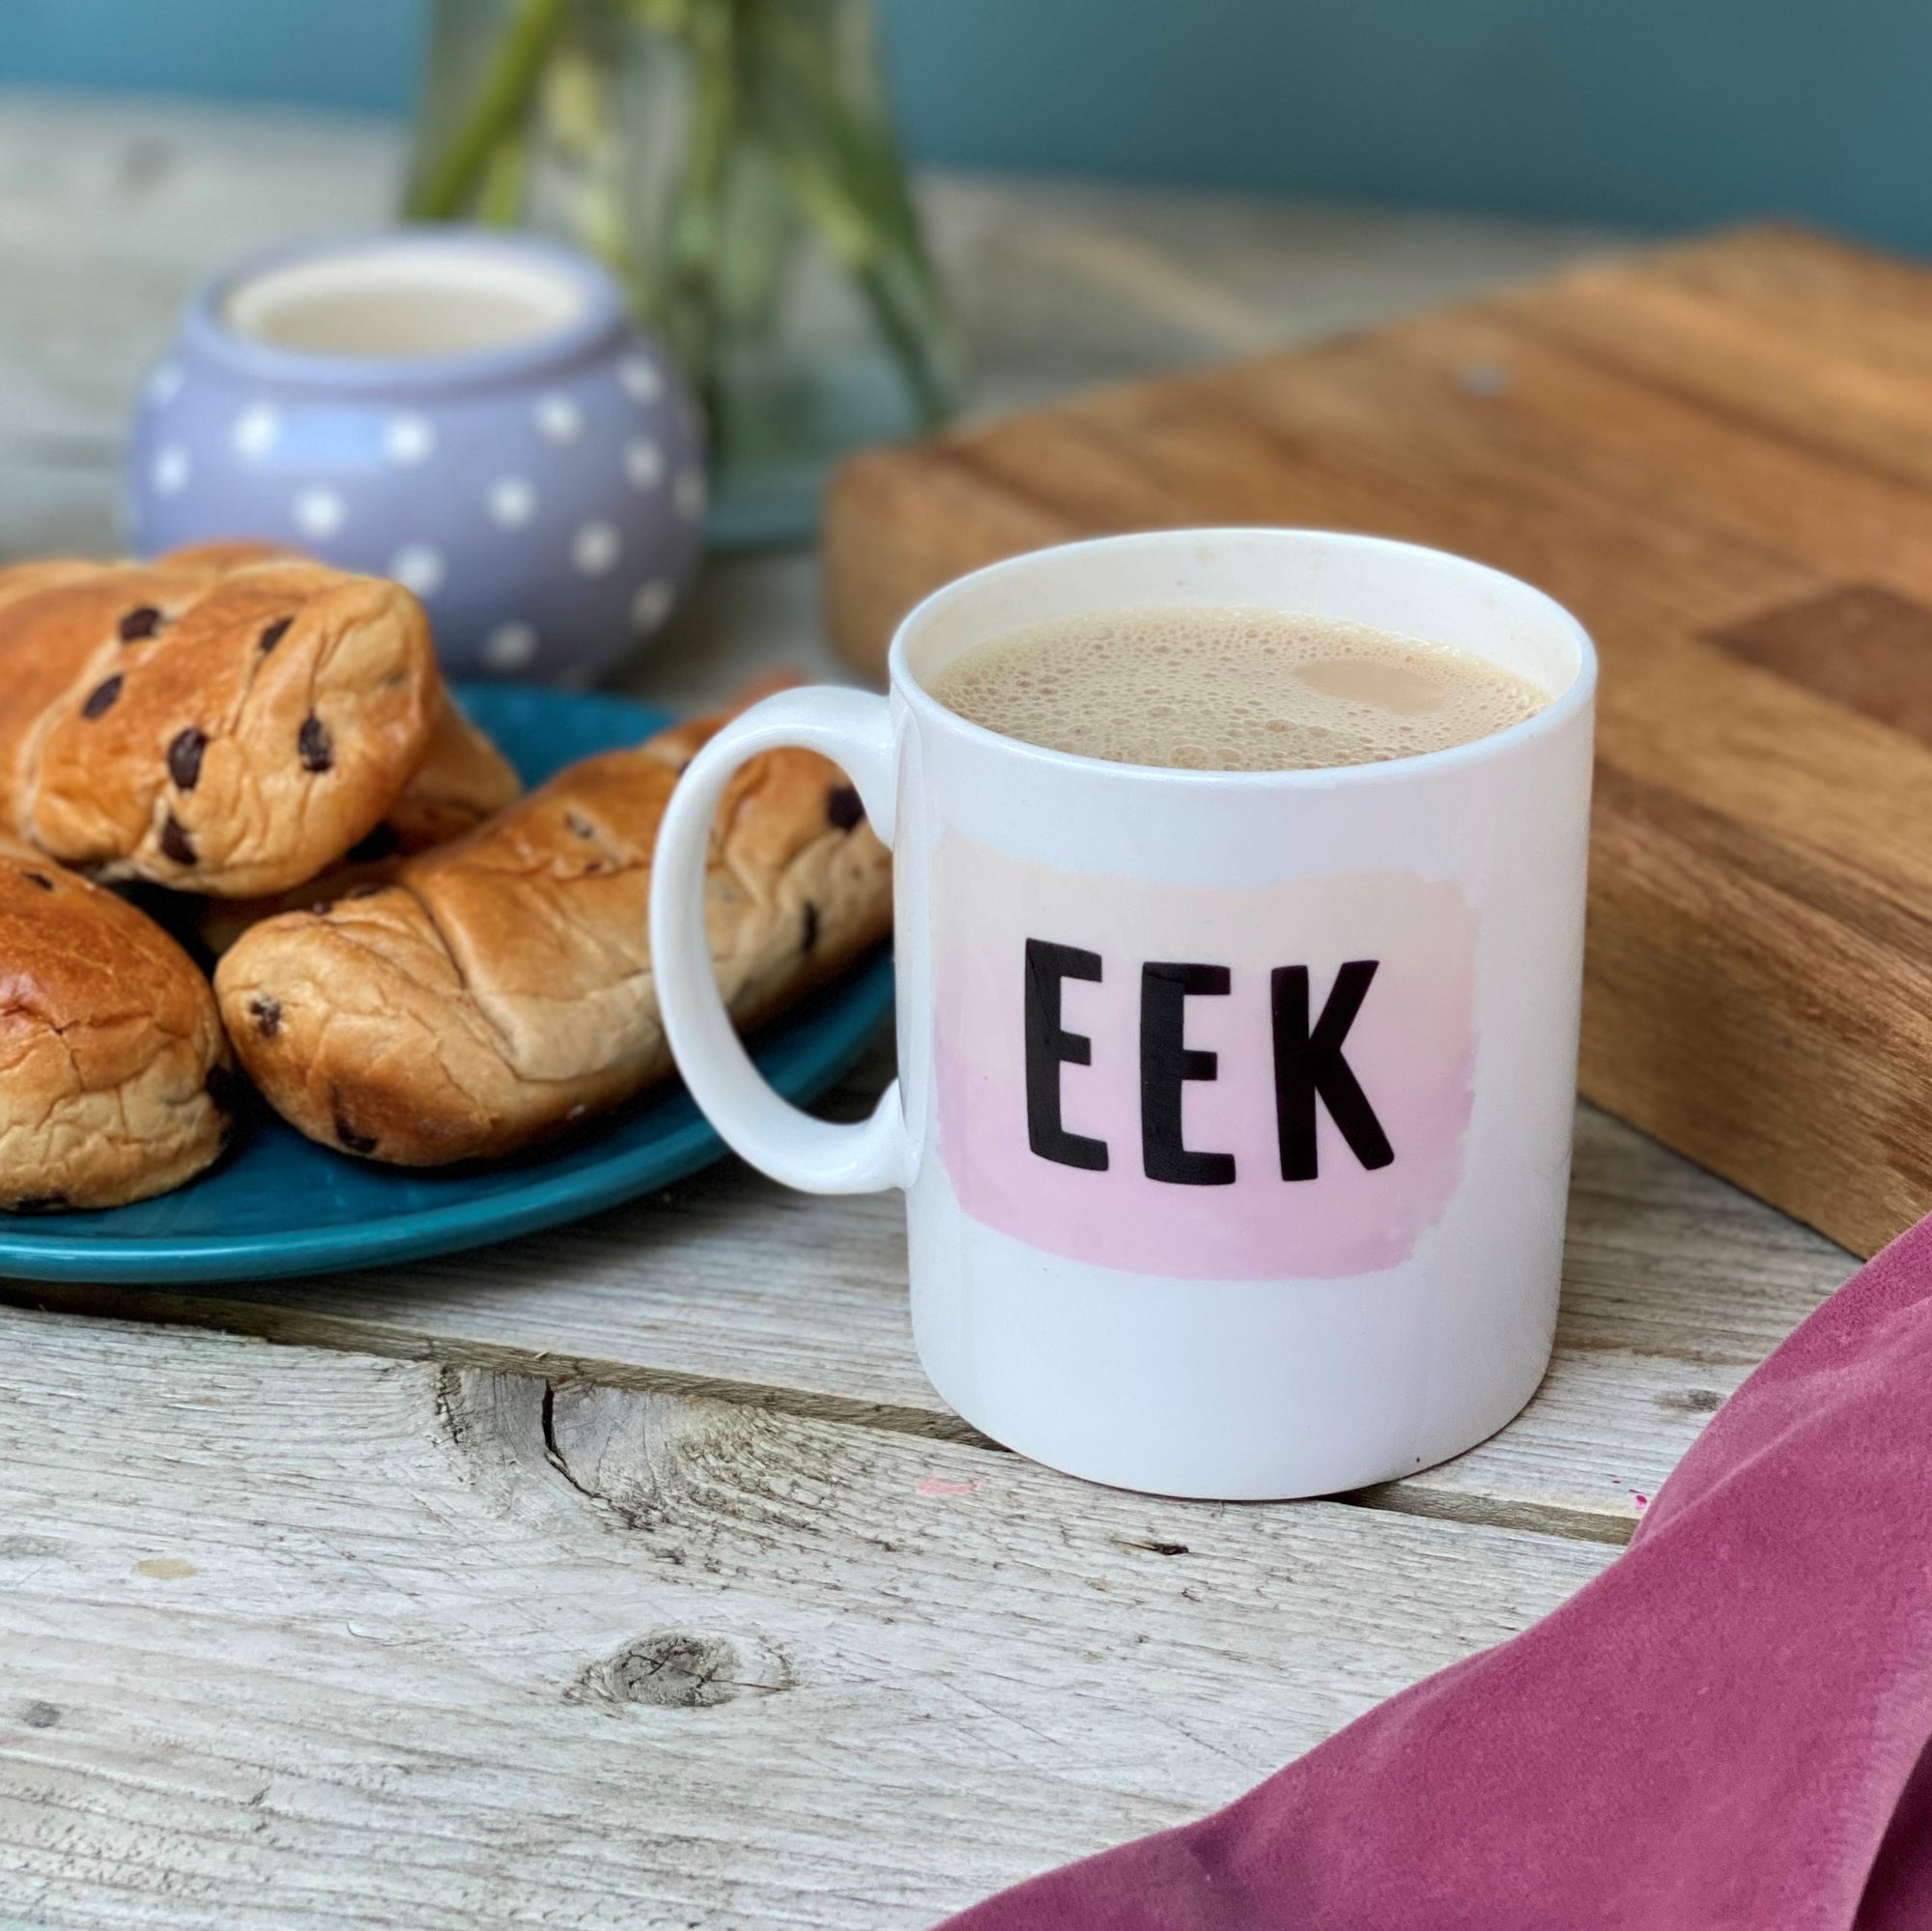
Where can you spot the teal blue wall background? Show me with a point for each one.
(334, 53)
(1654, 111)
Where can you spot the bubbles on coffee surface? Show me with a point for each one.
(1232, 688)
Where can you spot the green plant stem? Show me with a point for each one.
(863, 152)
(711, 43)
(855, 243)
(848, 182)
(932, 390)
(499, 201)
(503, 102)
(763, 78)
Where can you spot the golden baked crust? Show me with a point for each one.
(113, 1068)
(462, 779)
(42, 574)
(502, 987)
(54, 618)
(219, 922)
(229, 730)
(223, 554)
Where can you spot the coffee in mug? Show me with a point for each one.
(1236, 1066)
(1241, 689)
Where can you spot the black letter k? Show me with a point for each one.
(1307, 1064)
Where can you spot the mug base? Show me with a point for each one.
(1190, 1481)
(1226, 1391)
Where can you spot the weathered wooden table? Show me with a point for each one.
(631, 1575)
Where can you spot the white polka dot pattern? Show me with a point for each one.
(643, 463)
(172, 468)
(256, 431)
(511, 646)
(318, 511)
(408, 438)
(595, 547)
(559, 418)
(638, 374)
(550, 516)
(512, 502)
(651, 605)
(418, 567)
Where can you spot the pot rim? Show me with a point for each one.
(596, 322)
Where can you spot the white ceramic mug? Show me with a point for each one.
(1233, 1109)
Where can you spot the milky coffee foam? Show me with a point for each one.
(1232, 688)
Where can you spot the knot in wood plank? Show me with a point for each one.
(676, 1669)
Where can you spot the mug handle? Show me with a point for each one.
(854, 729)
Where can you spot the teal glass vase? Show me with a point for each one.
(733, 162)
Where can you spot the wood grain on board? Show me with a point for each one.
(373, 1643)
(1719, 455)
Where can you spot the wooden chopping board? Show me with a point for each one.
(1718, 455)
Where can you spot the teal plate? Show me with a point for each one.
(280, 1204)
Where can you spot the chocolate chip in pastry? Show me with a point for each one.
(223, 730)
(502, 987)
(463, 781)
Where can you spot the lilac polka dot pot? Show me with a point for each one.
(469, 412)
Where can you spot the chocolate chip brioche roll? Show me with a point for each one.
(501, 987)
(114, 1074)
(463, 778)
(228, 730)
(463, 781)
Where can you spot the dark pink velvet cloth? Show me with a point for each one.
(1728, 1728)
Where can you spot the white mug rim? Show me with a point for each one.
(1575, 696)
